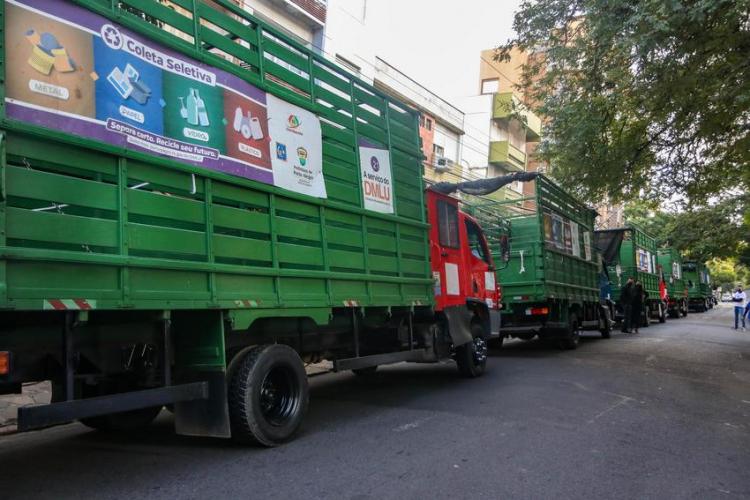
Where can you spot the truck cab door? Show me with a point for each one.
(480, 272)
(446, 252)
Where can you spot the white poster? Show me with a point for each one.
(574, 237)
(296, 148)
(451, 279)
(587, 244)
(377, 186)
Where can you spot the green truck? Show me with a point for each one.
(551, 285)
(629, 252)
(193, 206)
(698, 281)
(669, 263)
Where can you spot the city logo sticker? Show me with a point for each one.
(374, 163)
(302, 155)
(281, 151)
(293, 122)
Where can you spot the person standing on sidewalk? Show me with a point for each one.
(637, 305)
(739, 297)
(626, 300)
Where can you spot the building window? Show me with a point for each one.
(490, 86)
(438, 150)
(347, 63)
(425, 123)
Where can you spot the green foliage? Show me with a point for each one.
(728, 273)
(647, 98)
(716, 231)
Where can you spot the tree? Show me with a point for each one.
(717, 231)
(644, 98)
(727, 273)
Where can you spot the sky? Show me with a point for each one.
(437, 42)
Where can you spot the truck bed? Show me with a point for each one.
(86, 224)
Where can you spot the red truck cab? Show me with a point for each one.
(462, 265)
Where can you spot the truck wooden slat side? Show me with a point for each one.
(698, 281)
(551, 284)
(630, 252)
(192, 204)
(670, 262)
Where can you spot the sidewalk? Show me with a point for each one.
(33, 393)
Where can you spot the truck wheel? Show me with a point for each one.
(662, 313)
(684, 310)
(646, 316)
(123, 422)
(605, 323)
(268, 395)
(365, 372)
(573, 335)
(471, 357)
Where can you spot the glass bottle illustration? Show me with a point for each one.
(192, 107)
(201, 109)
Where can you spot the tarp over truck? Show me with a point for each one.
(629, 252)
(551, 246)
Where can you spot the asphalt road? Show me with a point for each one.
(663, 414)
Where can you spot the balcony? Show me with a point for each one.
(506, 105)
(504, 154)
(312, 13)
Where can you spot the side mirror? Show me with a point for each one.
(505, 248)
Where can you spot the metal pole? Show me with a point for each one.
(167, 347)
(355, 328)
(67, 355)
(411, 331)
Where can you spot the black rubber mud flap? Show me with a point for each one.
(209, 417)
(459, 324)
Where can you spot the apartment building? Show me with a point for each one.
(303, 19)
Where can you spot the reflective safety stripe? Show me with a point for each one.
(69, 304)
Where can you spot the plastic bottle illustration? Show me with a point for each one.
(201, 108)
(249, 126)
(255, 128)
(192, 108)
(183, 109)
(237, 124)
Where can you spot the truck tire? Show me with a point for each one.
(471, 358)
(605, 323)
(662, 313)
(572, 336)
(684, 310)
(268, 395)
(123, 422)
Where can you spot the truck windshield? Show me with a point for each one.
(476, 242)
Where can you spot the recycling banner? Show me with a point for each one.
(71, 70)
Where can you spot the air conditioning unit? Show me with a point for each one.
(443, 164)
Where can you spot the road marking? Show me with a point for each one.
(622, 401)
(412, 425)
